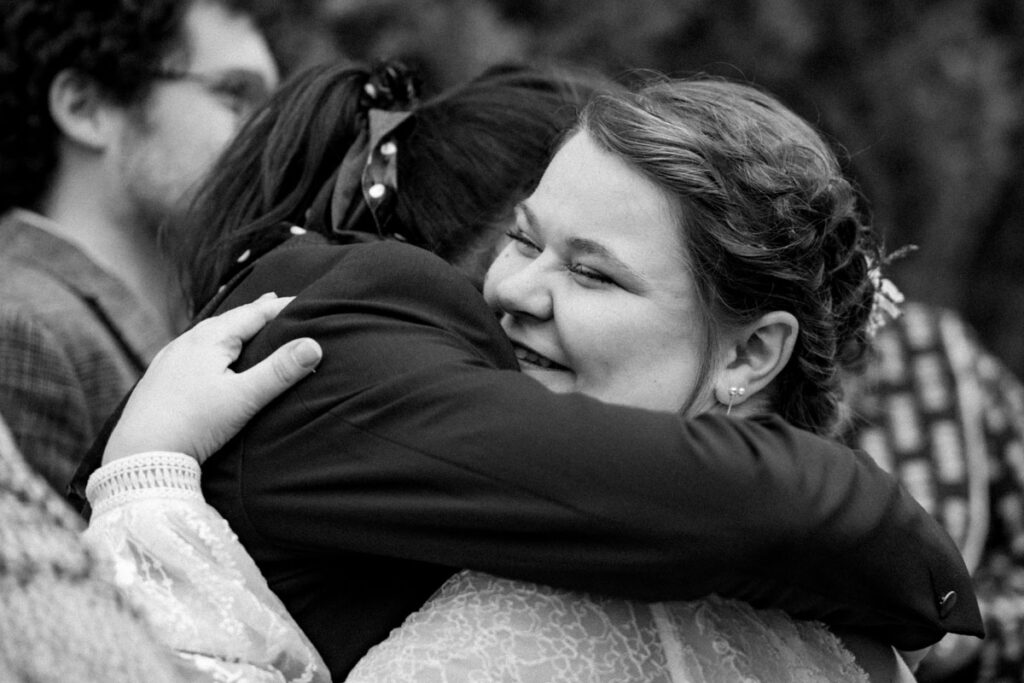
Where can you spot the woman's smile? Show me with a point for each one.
(530, 358)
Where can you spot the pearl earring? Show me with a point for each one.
(733, 393)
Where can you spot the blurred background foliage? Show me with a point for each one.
(922, 96)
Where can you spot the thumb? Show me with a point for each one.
(269, 378)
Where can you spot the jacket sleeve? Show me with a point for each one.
(417, 438)
(42, 397)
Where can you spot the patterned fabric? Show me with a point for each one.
(73, 341)
(59, 619)
(947, 418)
(482, 628)
(178, 561)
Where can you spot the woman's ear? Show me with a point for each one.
(756, 354)
(78, 109)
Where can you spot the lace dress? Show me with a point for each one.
(178, 562)
(483, 628)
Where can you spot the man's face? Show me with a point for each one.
(174, 136)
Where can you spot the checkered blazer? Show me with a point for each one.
(73, 341)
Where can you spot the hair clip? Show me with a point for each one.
(886, 300)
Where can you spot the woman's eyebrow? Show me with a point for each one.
(584, 245)
(591, 247)
(529, 215)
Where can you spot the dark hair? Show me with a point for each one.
(465, 157)
(475, 151)
(117, 44)
(769, 222)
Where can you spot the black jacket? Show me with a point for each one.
(417, 448)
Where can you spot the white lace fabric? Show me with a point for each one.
(179, 563)
(483, 628)
(144, 476)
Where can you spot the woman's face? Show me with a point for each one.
(593, 287)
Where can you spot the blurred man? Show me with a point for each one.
(110, 112)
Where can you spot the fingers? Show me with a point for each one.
(189, 399)
(265, 381)
(240, 324)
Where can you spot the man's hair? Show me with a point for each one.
(117, 44)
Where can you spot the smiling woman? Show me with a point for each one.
(599, 244)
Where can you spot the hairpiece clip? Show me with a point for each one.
(391, 85)
(886, 300)
(367, 177)
(380, 175)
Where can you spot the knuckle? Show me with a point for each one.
(282, 370)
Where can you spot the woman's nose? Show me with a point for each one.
(521, 288)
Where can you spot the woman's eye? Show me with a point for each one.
(525, 244)
(590, 275)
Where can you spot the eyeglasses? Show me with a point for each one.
(240, 91)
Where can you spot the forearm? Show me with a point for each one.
(178, 562)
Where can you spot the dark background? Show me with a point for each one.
(923, 98)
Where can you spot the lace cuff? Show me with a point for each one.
(144, 476)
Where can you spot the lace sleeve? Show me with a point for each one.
(180, 564)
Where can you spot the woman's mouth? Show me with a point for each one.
(529, 356)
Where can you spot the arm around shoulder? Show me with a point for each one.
(416, 404)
